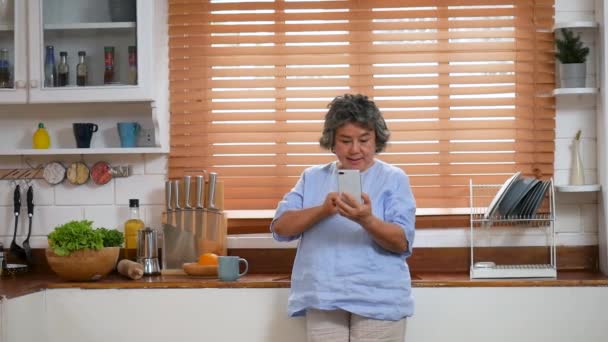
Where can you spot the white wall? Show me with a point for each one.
(536, 314)
(577, 214)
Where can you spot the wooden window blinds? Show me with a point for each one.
(463, 84)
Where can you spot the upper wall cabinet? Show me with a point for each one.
(76, 51)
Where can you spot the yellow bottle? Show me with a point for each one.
(41, 139)
(133, 224)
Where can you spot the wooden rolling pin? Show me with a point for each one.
(130, 269)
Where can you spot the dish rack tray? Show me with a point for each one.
(504, 232)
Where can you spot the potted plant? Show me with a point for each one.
(80, 253)
(572, 54)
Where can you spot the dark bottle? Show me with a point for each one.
(132, 65)
(5, 72)
(81, 70)
(50, 70)
(108, 75)
(63, 70)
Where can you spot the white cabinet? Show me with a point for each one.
(73, 26)
(13, 38)
(28, 26)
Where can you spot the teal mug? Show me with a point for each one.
(228, 268)
(128, 132)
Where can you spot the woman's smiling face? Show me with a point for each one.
(355, 146)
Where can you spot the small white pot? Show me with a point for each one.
(573, 75)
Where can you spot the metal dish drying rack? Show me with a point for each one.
(484, 230)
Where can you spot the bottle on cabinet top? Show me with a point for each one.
(50, 70)
(132, 65)
(5, 71)
(81, 69)
(108, 75)
(63, 70)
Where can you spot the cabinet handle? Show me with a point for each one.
(20, 84)
(33, 83)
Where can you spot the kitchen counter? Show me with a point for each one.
(22, 284)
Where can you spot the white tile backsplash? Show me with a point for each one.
(47, 218)
(153, 216)
(85, 194)
(156, 164)
(574, 6)
(568, 218)
(110, 216)
(589, 218)
(149, 189)
(569, 121)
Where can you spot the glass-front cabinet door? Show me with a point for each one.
(89, 50)
(13, 59)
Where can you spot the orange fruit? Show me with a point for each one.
(207, 259)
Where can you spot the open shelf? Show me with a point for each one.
(6, 27)
(71, 151)
(575, 24)
(574, 91)
(578, 188)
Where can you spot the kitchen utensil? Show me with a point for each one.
(188, 210)
(130, 269)
(147, 250)
(101, 173)
(54, 173)
(178, 243)
(199, 217)
(78, 173)
(15, 249)
(213, 218)
(211, 193)
(30, 215)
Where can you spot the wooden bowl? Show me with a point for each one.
(83, 265)
(196, 270)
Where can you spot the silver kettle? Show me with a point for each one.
(147, 250)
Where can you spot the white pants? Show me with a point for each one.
(342, 326)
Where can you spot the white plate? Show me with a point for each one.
(499, 195)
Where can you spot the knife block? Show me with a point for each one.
(219, 194)
(190, 233)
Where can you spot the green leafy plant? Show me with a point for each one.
(76, 235)
(570, 49)
(111, 237)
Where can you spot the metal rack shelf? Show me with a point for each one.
(485, 231)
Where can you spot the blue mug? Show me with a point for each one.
(228, 268)
(128, 132)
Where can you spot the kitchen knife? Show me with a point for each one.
(213, 216)
(188, 212)
(211, 191)
(168, 227)
(182, 247)
(199, 226)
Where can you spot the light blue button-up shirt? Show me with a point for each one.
(338, 265)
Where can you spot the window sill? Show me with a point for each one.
(269, 214)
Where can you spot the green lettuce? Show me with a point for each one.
(76, 235)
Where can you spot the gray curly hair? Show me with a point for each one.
(356, 109)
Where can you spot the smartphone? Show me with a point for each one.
(349, 181)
